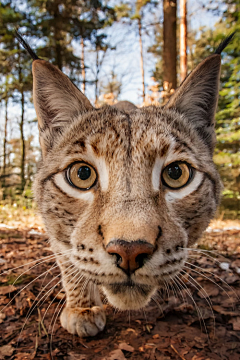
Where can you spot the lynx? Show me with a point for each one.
(123, 191)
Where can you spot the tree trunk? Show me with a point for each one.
(22, 144)
(96, 80)
(83, 67)
(5, 149)
(57, 38)
(141, 57)
(169, 47)
(183, 39)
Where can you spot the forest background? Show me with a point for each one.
(113, 50)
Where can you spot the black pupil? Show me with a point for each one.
(84, 172)
(174, 172)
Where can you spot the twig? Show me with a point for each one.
(41, 322)
(175, 350)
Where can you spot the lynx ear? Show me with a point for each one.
(197, 97)
(56, 99)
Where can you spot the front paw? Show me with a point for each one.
(83, 321)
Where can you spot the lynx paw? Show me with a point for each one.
(84, 322)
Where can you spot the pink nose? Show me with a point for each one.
(130, 256)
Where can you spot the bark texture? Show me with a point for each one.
(83, 67)
(170, 45)
(183, 39)
(141, 57)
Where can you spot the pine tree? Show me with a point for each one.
(135, 12)
(16, 62)
(169, 46)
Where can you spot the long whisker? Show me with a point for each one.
(155, 299)
(25, 288)
(202, 251)
(34, 261)
(84, 287)
(60, 301)
(179, 289)
(218, 277)
(207, 256)
(194, 257)
(44, 296)
(58, 292)
(174, 289)
(78, 281)
(167, 288)
(205, 295)
(200, 316)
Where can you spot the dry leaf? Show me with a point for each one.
(236, 323)
(116, 355)
(2, 317)
(126, 347)
(208, 290)
(4, 290)
(6, 350)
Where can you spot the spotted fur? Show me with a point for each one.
(129, 148)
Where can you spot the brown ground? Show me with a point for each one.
(171, 330)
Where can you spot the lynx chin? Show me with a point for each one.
(123, 191)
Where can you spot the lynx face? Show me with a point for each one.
(123, 194)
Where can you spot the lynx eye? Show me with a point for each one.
(177, 175)
(81, 175)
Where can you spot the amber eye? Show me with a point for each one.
(177, 175)
(81, 175)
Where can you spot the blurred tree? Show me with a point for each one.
(58, 22)
(16, 62)
(111, 89)
(169, 47)
(183, 39)
(135, 11)
(157, 50)
(49, 21)
(89, 18)
(100, 48)
(5, 95)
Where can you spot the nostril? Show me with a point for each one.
(168, 251)
(141, 259)
(118, 258)
(130, 256)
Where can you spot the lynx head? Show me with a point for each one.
(126, 192)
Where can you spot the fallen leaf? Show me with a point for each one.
(230, 278)
(116, 355)
(221, 310)
(236, 323)
(4, 290)
(126, 347)
(2, 317)
(75, 356)
(208, 290)
(6, 350)
(22, 356)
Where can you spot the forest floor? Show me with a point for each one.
(199, 319)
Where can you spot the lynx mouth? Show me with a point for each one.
(128, 295)
(118, 288)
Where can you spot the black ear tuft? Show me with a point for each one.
(26, 46)
(224, 43)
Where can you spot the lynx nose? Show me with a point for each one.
(130, 255)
